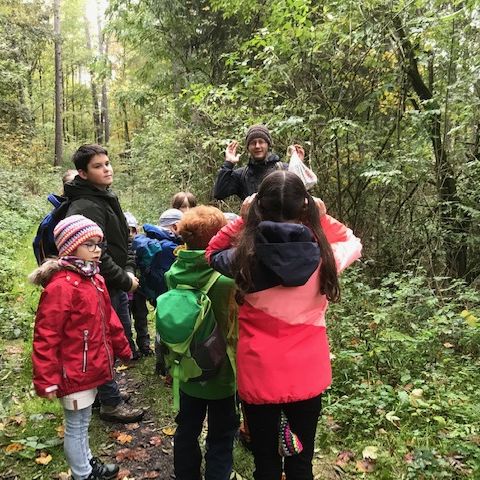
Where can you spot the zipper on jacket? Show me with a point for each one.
(101, 304)
(85, 350)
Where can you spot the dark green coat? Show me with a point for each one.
(103, 207)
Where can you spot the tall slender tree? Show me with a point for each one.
(58, 85)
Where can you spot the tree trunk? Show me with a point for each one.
(453, 221)
(103, 53)
(58, 85)
(93, 87)
(74, 127)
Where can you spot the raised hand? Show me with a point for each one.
(231, 152)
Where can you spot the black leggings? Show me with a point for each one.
(263, 422)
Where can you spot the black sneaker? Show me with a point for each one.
(104, 471)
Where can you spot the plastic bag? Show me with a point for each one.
(296, 166)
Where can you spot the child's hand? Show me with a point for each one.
(246, 205)
(321, 206)
(51, 396)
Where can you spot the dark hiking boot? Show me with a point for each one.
(146, 351)
(136, 355)
(105, 471)
(121, 413)
(124, 395)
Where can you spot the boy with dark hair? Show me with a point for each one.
(90, 195)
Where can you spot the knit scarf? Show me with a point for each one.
(88, 269)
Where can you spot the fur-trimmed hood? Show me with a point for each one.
(42, 275)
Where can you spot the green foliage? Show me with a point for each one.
(406, 373)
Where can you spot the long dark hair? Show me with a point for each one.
(281, 198)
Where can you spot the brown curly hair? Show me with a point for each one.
(199, 224)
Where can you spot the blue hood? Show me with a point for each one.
(287, 255)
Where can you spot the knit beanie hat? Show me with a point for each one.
(72, 231)
(170, 217)
(258, 131)
(131, 220)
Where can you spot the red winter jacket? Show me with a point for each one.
(77, 333)
(282, 353)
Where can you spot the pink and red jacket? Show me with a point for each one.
(77, 333)
(283, 354)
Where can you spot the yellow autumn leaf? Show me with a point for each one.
(124, 438)
(60, 431)
(170, 431)
(14, 447)
(470, 318)
(44, 459)
(121, 368)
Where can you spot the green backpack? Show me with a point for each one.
(187, 326)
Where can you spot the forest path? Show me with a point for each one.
(144, 449)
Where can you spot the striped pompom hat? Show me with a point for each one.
(72, 231)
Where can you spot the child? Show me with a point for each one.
(284, 256)
(154, 256)
(137, 304)
(76, 338)
(216, 395)
(183, 201)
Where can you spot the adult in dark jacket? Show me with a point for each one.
(90, 196)
(244, 181)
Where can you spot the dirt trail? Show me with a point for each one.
(144, 449)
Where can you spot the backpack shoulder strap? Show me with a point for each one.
(211, 281)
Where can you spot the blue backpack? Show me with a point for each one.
(154, 256)
(43, 243)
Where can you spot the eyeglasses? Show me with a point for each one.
(90, 246)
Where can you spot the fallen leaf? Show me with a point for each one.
(44, 458)
(138, 454)
(170, 431)
(343, 458)
(469, 318)
(132, 426)
(151, 474)
(122, 367)
(13, 350)
(365, 465)
(370, 452)
(409, 457)
(155, 441)
(124, 438)
(123, 473)
(14, 447)
(121, 437)
(391, 417)
(20, 420)
(60, 431)
(63, 476)
(448, 345)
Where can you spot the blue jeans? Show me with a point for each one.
(108, 393)
(75, 442)
(222, 427)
